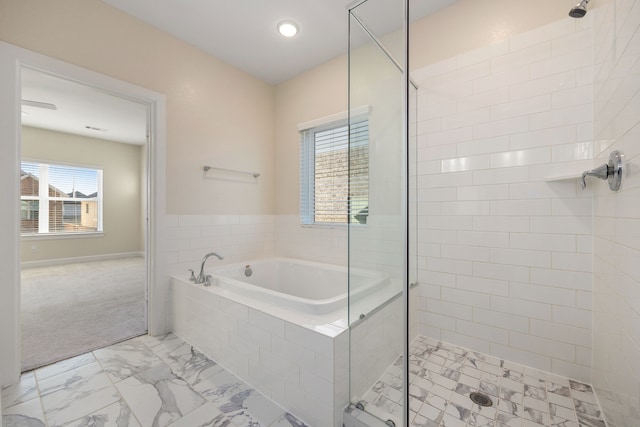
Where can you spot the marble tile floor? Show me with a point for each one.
(442, 376)
(142, 382)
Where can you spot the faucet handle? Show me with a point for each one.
(207, 280)
(192, 278)
(611, 171)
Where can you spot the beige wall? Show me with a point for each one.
(464, 26)
(122, 198)
(469, 24)
(317, 93)
(216, 114)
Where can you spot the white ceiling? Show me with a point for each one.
(243, 32)
(240, 32)
(79, 106)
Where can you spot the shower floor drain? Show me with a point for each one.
(481, 399)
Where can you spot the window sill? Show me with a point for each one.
(58, 236)
(336, 226)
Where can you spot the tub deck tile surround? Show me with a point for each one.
(141, 382)
(298, 359)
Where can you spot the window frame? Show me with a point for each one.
(307, 163)
(44, 189)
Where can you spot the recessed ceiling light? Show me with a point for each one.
(288, 28)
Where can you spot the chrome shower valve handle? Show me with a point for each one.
(611, 171)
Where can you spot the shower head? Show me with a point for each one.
(579, 10)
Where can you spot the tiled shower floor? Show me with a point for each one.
(143, 382)
(443, 376)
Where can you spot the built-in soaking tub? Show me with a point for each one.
(306, 286)
(284, 329)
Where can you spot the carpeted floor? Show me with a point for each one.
(70, 309)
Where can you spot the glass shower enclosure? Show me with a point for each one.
(380, 215)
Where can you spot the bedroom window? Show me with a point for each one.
(326, 197)
(58, 199)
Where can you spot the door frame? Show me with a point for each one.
(12, 60)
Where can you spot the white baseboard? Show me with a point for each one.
(75, 260)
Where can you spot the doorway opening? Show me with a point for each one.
(83, 218)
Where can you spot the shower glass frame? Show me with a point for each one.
(379, 84)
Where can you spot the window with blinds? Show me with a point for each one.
(327, 194)
(56, 199)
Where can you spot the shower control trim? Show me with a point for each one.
(611, 171)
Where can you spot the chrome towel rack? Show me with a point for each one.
(611, 171)
(208, 168)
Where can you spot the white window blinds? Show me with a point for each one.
(59, 199)
(327, 163)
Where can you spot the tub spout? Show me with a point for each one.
(201, 276)
(601, 172)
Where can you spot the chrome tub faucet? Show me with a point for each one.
(201, 276)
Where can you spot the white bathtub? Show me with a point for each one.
(285, 327)
(306, 286)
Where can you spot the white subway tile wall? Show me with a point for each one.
(504, 249)
(321, 244)
(187, 238)
(616, 234)
(291, 365)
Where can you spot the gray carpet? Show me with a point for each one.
(71, 309)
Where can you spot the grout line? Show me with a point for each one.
(37, 383)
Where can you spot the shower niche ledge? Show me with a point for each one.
(567, 177)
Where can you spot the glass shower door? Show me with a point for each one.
(378, 250)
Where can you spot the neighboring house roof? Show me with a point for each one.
(81, 195)
(24, 175)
